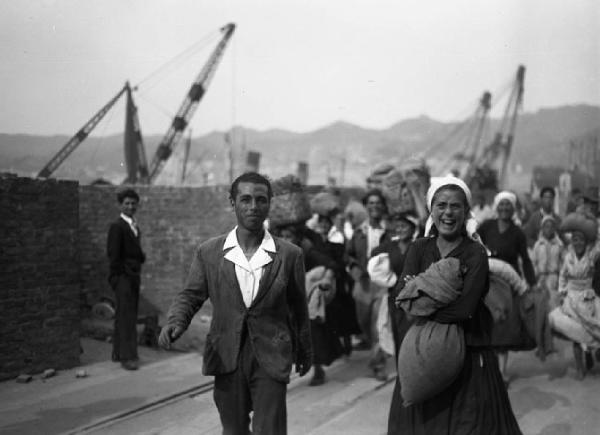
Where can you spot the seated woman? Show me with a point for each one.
(578, 316)
(477, 401)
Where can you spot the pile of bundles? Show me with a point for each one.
(325, 204)
(289, 205)
(580, 222)
(431, 354)
(404, 185)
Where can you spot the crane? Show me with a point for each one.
(462, 160)
(489, 170)
(135, 152)
(189, 105)
(80, 136)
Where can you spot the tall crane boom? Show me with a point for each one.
(189, 105)
(135, 153)
(490, 168)
(79, 137)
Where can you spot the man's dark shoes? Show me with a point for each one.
(130, 365)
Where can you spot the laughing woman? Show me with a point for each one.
(476, 401)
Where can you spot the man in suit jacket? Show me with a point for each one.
(367, 295)
(125, 257)
(260, 323)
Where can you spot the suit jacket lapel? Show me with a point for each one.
(228, 274)
(269, 275)
(129, 231)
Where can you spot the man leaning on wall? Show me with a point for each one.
(125, 258)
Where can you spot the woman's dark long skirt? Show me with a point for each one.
(475, 403)
(326, 345)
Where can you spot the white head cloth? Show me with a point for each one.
(471, 223)
(505, 194)
(512, 198)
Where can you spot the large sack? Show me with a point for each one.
(580, 222)
(431, 356)
(290, 204)
(325, 204)
(404, 185)
(499, 299)
(355, 213)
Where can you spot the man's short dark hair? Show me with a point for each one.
(547, 189)
(250, 177)
(374, 192)
(127, 193)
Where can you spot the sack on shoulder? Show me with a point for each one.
(431, 356)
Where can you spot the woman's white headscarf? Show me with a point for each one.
(505, 194)
(512, 198)
(437, 182)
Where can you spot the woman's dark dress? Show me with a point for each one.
(326, 345)
(510, 245)
(477, 401)
(342, 310)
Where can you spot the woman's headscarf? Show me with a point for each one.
(438, 182)
(512, 198)
(505, 194)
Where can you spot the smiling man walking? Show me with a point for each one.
(260, 323)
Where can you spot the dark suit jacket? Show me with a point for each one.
(276, 322)
(356, 249)
(124, 251)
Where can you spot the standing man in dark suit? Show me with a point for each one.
(125, 257)
(260, 323)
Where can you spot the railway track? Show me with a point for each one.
(161, 402)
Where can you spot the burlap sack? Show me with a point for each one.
(580, 222)
(289, 205)
(325, 204)
(431, 356)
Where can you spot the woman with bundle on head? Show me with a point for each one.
(327, 222)
(578, 316)
(506, 241)
(476, 400)
(290, 209)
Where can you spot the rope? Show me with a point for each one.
(179, 58)
(158, 107)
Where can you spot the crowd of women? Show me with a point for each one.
(359, 270)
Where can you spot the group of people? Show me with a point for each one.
(306, 294)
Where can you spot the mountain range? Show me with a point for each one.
(341, 150)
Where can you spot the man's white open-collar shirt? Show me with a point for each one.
(248, 272)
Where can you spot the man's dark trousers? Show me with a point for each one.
(250, 388)
(127, 291)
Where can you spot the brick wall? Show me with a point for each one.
(39, 275)
(173, 220)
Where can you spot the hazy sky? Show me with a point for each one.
(292, 64)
